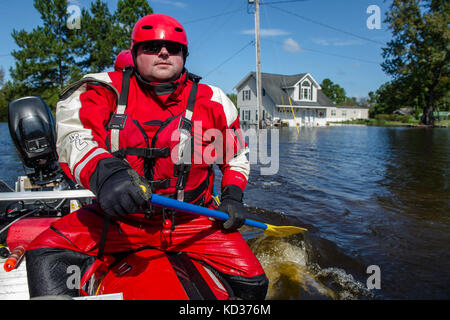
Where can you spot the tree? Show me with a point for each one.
(350, 101)
(125, 17)
(45, 60)
(97, 41)
(233, 98)
(105, 35)
(2, 76)
(418, 55)
(333, 91)
(54, 54)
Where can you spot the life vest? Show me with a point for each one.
(166, 160)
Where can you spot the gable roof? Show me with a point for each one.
(311, 78)
(274, 85)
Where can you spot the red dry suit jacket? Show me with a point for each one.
(84, 136)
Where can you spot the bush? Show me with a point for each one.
(393, 117)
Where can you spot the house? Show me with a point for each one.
(294, 100)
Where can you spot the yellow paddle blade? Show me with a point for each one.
(283, 231)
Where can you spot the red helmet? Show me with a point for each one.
(123, 59)
(158, 27)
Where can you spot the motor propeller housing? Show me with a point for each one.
(32, 128)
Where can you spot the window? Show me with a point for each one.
(305, 91)
(344, 113)
(245, 114)
(246, 95)
(333, 112)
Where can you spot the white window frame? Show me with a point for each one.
(306, 90)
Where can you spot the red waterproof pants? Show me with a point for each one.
(199, 237)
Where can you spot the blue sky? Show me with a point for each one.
(327, 38)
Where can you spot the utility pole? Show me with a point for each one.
(258, 65)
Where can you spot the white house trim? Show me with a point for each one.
(310, 77)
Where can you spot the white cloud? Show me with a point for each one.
(337, 42)
(322, 42)
(291, 45)
(266, 32)
(177, 4)
(343, 43)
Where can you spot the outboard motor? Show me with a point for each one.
(32, 129)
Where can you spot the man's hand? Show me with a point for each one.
(123, 193)
(231, 203)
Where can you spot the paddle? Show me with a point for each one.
(271, 230)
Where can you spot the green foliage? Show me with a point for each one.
(388, 98)
(333, 91)
(53, 54)
(96, 41)
(349, 101)
(384, 120)
(128, 12)
(338, 96)
(418, 55)
(45, 57)
(233, 98)
(393, 117)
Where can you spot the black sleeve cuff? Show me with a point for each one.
(232, 192)
(105, 168)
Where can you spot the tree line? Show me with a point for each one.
(60, 51)
(417, 58)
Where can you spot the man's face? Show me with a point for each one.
(158, 61)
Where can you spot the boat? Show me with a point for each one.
(44, 194)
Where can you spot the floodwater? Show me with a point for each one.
(375, 201)
(371, 196)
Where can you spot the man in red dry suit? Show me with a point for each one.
(122, 129)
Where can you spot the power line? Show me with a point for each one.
(330, 53)
(211, 17)
(213, 28)
(286, 1)
(231, 57)
(326, 25)
(341, 56)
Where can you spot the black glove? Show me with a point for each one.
(120, 190)
(231, 203)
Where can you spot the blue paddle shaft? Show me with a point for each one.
(202, 211)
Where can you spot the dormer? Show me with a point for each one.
(305, 90)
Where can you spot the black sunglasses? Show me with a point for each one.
(156, 46)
